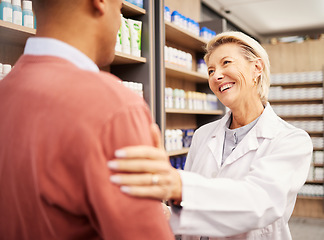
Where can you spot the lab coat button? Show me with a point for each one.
(214, 174)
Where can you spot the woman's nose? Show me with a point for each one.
(218, 75)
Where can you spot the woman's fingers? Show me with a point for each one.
(144, 185)
(162, 185)
(156, 192)
(138, 166)
(140, 179)
(143, 152)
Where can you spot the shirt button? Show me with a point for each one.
(214, 174)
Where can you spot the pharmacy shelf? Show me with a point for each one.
(178, 152)
(299, 85)
(314, 182)
(130, 10)
(18, 34)
(310, 197)
(297, 101)
(195, 112)
(318, 165)
(302, 117)
(186, 39)
(123, 58)
(175, 71)
(14, 33)
(318, 149)
(315, 134)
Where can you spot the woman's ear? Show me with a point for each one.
(258, 67)
(99, 6)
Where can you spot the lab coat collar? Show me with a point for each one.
(264, 128)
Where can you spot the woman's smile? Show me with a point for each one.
(225, 86)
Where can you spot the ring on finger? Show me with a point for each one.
(155, 179)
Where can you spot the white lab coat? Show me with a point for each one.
(252, 195)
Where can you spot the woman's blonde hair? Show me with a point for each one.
(252, 50)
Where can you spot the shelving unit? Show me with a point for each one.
(187, 39)
(298, 101)
(13, 33)
(13, 38)
(186, 111)
(178, 152)
(185, 74)
(139, 69)
(130, 10)
(315, 204)
(173, 76)
(123, 58)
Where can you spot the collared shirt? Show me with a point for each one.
(53, 47)
(234, 136)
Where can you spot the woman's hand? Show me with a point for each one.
(166, 211)
(145, 171)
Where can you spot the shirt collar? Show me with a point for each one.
(238, 134)
(265, 126)
(53, 47)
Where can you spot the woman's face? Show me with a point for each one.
(231, 76)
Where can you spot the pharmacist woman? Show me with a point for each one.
(243, 172)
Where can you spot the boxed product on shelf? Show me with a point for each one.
(308, 126)
(182, 21)
(134, 86)
(312, 190)
(317, 142)
(178, 57)
(177, 139)
(135, 30)
(313, 76)
(138, 3)
(6, 11)
(125, 35)
(310, 176)
(294, 93)
(318, 174)
(178, 162)
(16, 12)
(27, 14)
(173, 139)
(207, 33)
(118, 46)
(11, 11)
(129, 37)
(179, 99)
(318, 157)
(4, 70)
(167, 14)
(202, 67)
(301, 109)
(187, 137)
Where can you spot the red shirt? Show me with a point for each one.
(59, 126)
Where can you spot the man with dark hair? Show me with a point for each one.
(61, 121)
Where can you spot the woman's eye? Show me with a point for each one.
(226, 62)
(210, 72)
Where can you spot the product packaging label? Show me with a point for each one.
(7, 14)
(125, 36)
(118, 46)
(17, 18)
(29, 21)
(135, 28)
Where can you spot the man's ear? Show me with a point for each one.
(258, 67)
(99, 6)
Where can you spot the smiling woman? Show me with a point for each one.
(238, 69)
(243, 172)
